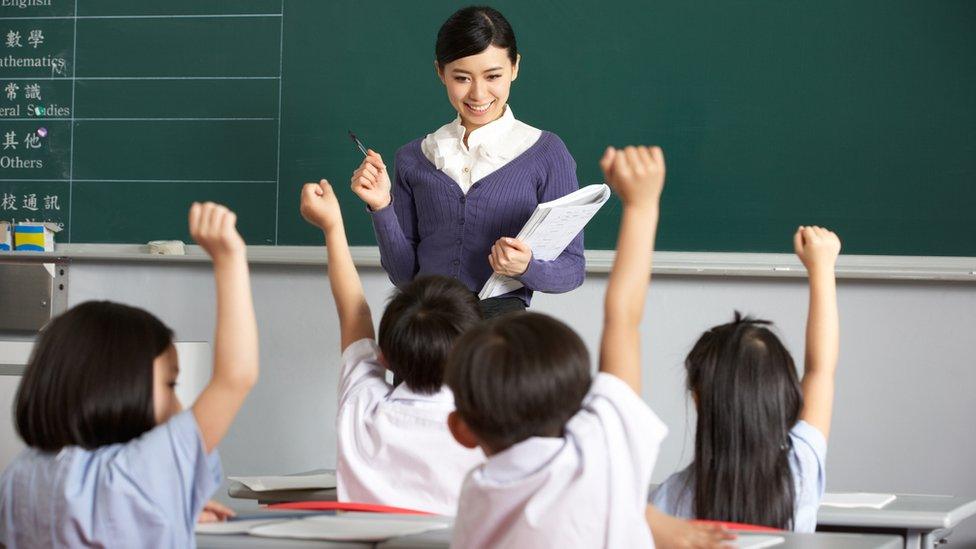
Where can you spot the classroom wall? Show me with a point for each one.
(904, 410)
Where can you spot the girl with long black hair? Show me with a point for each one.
(762, 433)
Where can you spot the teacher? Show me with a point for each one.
(461, 194)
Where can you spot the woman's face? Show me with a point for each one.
(165, 369)
(478, 85)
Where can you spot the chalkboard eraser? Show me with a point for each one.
(167, 247)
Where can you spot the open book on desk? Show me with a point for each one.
(552, 226)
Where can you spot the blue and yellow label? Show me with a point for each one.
(29, 238)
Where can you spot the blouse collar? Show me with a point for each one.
(488, 140)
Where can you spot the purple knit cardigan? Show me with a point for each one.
(434, 228)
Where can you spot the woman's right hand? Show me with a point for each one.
(371, 181)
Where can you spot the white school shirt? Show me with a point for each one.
(586, 489)
(394, 444)
(489, 147)
(807, 457)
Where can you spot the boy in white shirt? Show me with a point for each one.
(394, 447)
(569, 458)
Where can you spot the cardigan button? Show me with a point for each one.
(457, 262)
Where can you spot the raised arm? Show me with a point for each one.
(636, 174)
(394, 216)
(235, 369)
(818, 248)
(321, 208)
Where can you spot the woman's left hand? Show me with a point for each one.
(510, 256)
(215, 512)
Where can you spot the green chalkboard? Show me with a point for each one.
(857, 115)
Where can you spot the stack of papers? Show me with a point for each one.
(233, 526)
(309, 481)
(338, 528)
(552, 226)
(851, 500)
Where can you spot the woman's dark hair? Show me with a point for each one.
(469, 31)
(749, 398)
(89, 381)
(419, 327)
(518, 376)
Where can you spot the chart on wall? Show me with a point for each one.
(119, 111)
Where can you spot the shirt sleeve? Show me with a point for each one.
(810, 450)
(361, 370)
(170, 467)
(396, 232)
(567, 271)
(633, 433)
(673, 496)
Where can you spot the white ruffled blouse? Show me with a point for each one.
(489, 147)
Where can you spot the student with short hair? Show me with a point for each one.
(461, 194)
(569, 456)
(112, 459)
(764, 431)
(394, 447)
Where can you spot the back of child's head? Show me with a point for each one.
(518, 376)
(748, 397)
(89, 381)
(419, 327)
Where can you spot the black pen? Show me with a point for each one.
(358, 143)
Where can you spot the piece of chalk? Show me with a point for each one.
(167, 247)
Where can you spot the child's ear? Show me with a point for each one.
(462, 433)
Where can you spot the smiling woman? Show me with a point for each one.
(461, 194)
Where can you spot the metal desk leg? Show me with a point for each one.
(913, 540)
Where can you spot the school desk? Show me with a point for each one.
(441, 539)
(214, 541)
(922, 520)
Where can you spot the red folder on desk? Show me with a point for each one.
(738, 526)
(346, 506)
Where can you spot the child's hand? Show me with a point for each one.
(816, 247)
(371, 182)
(635, 173)
(695, 535)
(215, 512)
(213, 228)
(320, 207)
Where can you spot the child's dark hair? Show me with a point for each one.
(89, 381)
(518, 376)
(749, 398)
(419, 327)
(469, 31)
